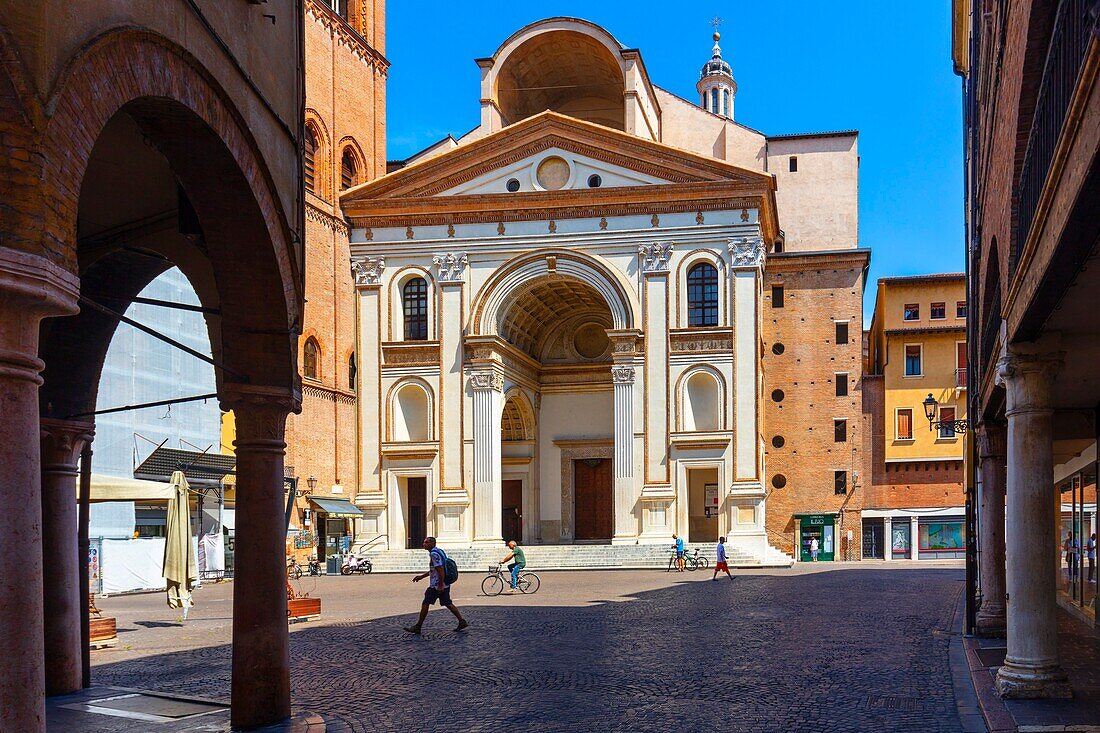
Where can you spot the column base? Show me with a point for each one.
(992, 623)
(1032, 682)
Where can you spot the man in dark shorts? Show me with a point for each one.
(437, 590)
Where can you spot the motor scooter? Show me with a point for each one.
(356, 564)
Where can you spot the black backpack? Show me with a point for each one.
(450, 568)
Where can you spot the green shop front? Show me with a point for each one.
(820, 526)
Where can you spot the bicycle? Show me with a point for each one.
(293, 569)
(692, 561)
(494, 582)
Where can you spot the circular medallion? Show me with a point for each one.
(553, 173)
(591, 340)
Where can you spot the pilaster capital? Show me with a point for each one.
(992, 440)
(487, 381)
(622, 374)
(62, 441)
(1028, 378)
(655, 257)
(624, 342)
(451, 266)
(746, 252)
(367, 271)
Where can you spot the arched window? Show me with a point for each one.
(311, 358)
(353, 371)
(701, 403)
(726, 102)
(414, 298)
(347, 170)
(310, 161)
(702, 286)
(410, 414)
(714, 100)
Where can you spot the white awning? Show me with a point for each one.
(115, 488)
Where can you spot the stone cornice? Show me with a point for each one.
(340, 31)
(325, 392)
(801, 261)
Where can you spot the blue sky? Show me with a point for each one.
(800, 65)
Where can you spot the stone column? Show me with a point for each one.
(654, 265)
(887, 538)
(31, 288)
(991, 529)
(626, 523)
(62, 442)
(1031, 668)
(488, 388)
(368, 286)
(261, 651)
(914, 538)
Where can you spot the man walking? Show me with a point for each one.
(720, 559)
(438, 589)
(678, 545)
(520, 563)
(1090, 547)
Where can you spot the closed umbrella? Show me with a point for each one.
(180, 564)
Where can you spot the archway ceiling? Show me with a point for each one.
(554, 69)
(536, 310)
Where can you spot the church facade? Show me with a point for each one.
(563, 315)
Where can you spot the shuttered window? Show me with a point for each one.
(310, 160)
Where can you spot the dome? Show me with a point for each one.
(717, 65)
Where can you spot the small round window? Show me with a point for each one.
(778, 441)
(594, 181)
(513, 185)
(779, 481)
(778, 349)
(777, 395)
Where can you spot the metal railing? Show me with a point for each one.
(1069, 43)
(960, 378)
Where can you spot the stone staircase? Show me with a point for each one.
(570, 557)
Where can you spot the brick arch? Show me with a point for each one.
(190, 119)
(20, 117)
(349, 144)
(322, 160)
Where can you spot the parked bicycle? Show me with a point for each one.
(294, 570)
(494, 582)
(692, 561)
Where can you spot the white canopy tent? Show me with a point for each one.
(115, 488)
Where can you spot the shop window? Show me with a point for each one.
(937, 311)
(960, 309)
(702, 284)
(311, 356)
(840, 431)
(947, 420)
(310, 159)
(840, 482)
(904, 427)
(841, 384)
(940, 537)
(777, 296)
(913, 365)
(842, 332)
(414, 300)
(912, 312)
(347, 170)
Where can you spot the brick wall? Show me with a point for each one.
(819, 289)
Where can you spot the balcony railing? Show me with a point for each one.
(991, 328)
(960, 378)
(1069, 43)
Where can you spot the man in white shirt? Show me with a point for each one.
(438, 589)
(720, 559)
(1090, 547)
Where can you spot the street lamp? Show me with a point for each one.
(930, 407)
(311, 482)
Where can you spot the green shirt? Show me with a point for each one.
(519, 558)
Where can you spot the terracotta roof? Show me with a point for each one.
(833, 133)
(924, 278)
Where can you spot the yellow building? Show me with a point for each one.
(916, 347)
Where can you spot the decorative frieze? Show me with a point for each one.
(701, 342)
(487, 381)
(451, 265)
(655, 257)
(368, 271)
(410, 353)
(747, 251)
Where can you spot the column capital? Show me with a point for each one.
(237, 396)
(1027, 378)
(746, 252)
(367, 271)
(624, 342)
(451, 266)
(622, 374)
(62, 441)
(655, 257)
(260, 416)
(486, 381)
(992, 438)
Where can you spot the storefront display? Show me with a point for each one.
(821, 527)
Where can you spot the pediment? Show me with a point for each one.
(559, 151)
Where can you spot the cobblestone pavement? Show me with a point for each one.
(840, 648)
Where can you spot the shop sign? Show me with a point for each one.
(95, 574)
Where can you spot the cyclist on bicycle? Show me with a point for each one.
(519, 564)
(678, 545)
